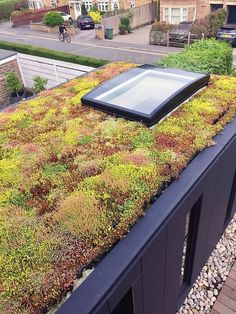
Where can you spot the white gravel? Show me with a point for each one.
(213, 275)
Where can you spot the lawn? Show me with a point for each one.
(74, 180)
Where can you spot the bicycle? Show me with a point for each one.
(64, 37)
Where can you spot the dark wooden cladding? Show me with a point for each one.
(146, 265)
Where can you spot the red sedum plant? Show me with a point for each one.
(73, 180)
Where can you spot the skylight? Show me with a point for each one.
(145, 93)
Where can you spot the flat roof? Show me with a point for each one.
(4, 54)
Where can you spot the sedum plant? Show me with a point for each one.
(73, 180)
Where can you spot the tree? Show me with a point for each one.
(83, 9)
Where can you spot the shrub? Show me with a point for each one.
(53, 19)
(124, 25)
(207, 56)
(161, 26)
(39, 84)
(52, 54)
(83, 9)
(14, 84)
(96, 16)
(210, 23)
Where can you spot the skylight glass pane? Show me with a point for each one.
(146, 91)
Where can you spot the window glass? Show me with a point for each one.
(103, 6)
(185, 14)
(166, 14)
(88, 5)
(175, 15)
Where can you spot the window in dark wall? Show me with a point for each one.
(232, 200)
(125, 306)
(189, 245)
(215, 7)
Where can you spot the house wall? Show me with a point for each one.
(49, 3)
(7, 65)
(196, 8)
(142, 15)
(190, 5)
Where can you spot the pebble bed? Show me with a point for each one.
(213, 275)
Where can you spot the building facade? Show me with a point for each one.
(46, 4)
(176, 11)
(104, 5)
(75, 5)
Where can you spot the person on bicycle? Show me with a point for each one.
(62, 29)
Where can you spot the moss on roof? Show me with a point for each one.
(73, 180)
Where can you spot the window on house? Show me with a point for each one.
(166, 14)
(102, 6)
(185, 14)
(175, 15)
(88, 5)
(132, 4)
(30, 5)
(215, 7)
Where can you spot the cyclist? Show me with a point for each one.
(62, 29)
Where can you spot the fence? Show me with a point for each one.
(34, 16)
(175, 40)
(57, 72)
(145, 273)
(142, 15)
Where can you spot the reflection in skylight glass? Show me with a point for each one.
(146, 91)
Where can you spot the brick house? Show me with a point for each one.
(8, 63)
(175, 11)
(75, 5)
(46, 4)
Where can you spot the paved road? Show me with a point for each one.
(133, 47)
(85, 44)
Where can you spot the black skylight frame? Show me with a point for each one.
(189, 89)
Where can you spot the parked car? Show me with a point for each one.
(66, 17)
(85, 22)
(227, 33)
(180, 32)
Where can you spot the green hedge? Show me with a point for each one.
(52, 54)
(206, 56)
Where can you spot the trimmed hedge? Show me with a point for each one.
(206, 56)
(52, 54)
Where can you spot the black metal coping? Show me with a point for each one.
(88, 298)
(4, 54)
(178, 96)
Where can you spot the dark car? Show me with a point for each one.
(180, 32)
(85, 22)
(227, 33)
